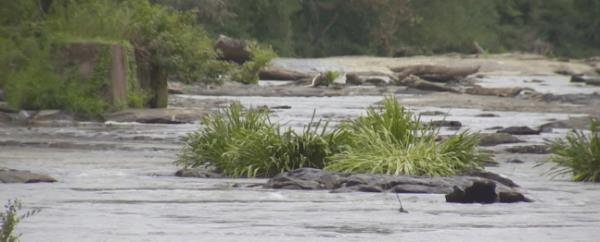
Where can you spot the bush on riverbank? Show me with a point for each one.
(245, 143)
(578, 154)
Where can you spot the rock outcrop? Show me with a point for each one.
(17, 176)
(316, 179)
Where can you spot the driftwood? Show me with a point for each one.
(232, 49)
(418, 83)
(434, 72)
(279, 73)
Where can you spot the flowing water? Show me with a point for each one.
(116, 183)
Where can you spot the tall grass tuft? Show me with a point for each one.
(245, 143)
(393, 141)
(578, 155)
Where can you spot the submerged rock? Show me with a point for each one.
(519, 130)
(497, 139)
(446, 123)
(197, 173)
(478, 192)
(529, 149)
(316, 179)
(487, 115)
(17, 176)
(433, 113)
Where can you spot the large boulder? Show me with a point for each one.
(494, 139)
(519, 130)
(483, 192)
(233, 49)
(17, 176)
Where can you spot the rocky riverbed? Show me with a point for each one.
(116, 182)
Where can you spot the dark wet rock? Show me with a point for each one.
(375, 81)
(17, 176)
(433, 113)
(197, 173)
(589, 80)
(446, 123)
(519, 130)
(487, 115)
(497, 139)
(281, 107)
(529, 149)
(494, 177)
(315, 179)
(516, 161)
(354, 79)
(158, 116)
(478, 192)
(512, 197)
(495, 128)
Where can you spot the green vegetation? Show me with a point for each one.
(328, 78)
(578, 155)
(9, 220)
(393, 141)
(245, 143)
(390, 141)
(386, 27)
(260, 57)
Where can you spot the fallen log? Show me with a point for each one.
(435, 72)
(279, 73)
(418, 83)
(232, 49)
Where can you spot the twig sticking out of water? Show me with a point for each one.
(401, 209)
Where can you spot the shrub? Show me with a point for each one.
(10, 218)
(328, 78)
(242, 143)
(393, 141)
(578, 155)
(248, 72)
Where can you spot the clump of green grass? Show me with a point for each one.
(10, 219)
(328, 77)
(245, 143)
(260, 57)
(393, 141)
(578, 154)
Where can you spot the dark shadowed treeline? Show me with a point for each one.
(405, 27)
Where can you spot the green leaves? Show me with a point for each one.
(578, 154)
(9, 218)
(244, 143)
(393, 141)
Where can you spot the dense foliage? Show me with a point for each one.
(384, 27)
(168, 42)
(578, 155)
(246, 143)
